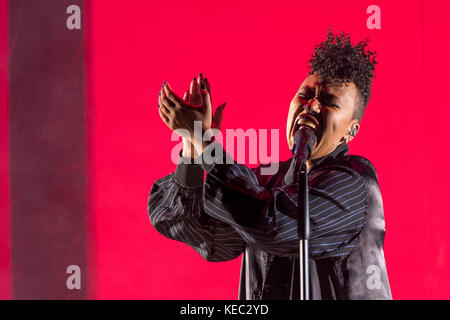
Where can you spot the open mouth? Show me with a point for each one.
(307, 120)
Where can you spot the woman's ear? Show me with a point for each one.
(352, 132)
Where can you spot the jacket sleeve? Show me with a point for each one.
(175, 208)
(266, 218)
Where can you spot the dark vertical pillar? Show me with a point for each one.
(5, 253)
(47, 150)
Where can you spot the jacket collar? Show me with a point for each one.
(340, 151)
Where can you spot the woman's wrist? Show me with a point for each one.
(188, 150)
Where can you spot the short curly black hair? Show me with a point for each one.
(337, 61)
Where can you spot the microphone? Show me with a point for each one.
(305, 139)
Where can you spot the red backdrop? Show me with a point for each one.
(255, 55)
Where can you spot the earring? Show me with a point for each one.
(354, 131)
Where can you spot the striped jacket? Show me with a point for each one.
(238, 210)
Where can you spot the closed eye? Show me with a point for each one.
(328, 103)
(326, 99)
(323, 100)
(305, 95)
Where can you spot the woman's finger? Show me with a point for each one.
(164, 106)
(205, 99)
(218, 115)
(194, 92)
(201, 81)
(172, 96)
(186, 96)
(169, 104)
(208, 88)
(164, 118)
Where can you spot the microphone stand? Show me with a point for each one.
(303, 227)
(305, 139)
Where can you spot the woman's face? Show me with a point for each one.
(327, 108)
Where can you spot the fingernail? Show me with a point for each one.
(158, 105)
(164, 83)
(159, 93)
(224, 105)
(201, 75)
(195, 79)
